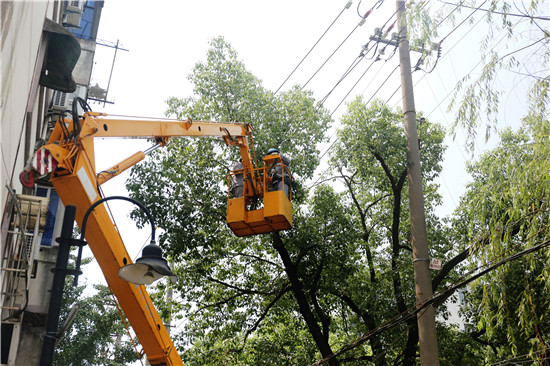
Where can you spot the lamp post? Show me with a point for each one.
(147, 269)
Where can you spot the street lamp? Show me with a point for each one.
(147, 269)
(152, 265)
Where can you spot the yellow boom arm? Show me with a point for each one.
(76, 181)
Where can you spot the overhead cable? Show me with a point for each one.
(354, 64)
(468, 17)
(381, 85)
(440, 296)
(307, 54)
(354, 85)
(377, 59)
(363, 19)
(332, 54)
(462, 4)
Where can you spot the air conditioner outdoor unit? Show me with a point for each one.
(75, 6)
(64, 101)
(60, 100)
(72, 19)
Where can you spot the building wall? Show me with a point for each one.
(22, 23)
(23, 107)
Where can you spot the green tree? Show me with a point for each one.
(340, 273)
(231, 289)
(370, 159)
(504, 211)
(97, 335)
(516, 43)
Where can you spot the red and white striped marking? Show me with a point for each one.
(43, 162)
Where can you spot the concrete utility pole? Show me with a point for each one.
(429, 355)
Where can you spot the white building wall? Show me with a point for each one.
(21, 108)
(22, 23)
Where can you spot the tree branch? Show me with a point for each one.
(241, 290)
(385, 167)
(298, 290)
(221, 302)
(475, 336)
(362, 215)
(256, 257)
(280, 294)
(323, 317)
(447, 267)
(303, 253)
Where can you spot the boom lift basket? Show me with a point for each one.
(275, 215)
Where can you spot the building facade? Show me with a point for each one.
(47, 53)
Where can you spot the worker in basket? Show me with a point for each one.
(237, 179)
(280, 177)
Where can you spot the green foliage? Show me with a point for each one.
(375, 133)
(515, 42)
(225, 91)
(231, 290)
(342, 271)
(370, 158)
(97, 335)
(458, 348)
(345, 268)
(507, 204)
(291, 297)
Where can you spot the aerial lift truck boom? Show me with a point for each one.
(69, 157)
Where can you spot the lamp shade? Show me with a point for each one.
(147, 269)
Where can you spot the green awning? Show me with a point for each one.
(62, 54)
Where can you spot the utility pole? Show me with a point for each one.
(429, 355)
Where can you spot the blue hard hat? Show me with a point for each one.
(272, 151)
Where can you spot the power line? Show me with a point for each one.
(335, 140)
(366, 49)
(513, 359)
(468, 17)
(332, 54)
(387, 21)
(377, 59)
(381, 85)
(354, 85)
(347, 6)
(440, 296)
(461, 4)
(475, 66)
(353, 65)
(362, 56)
(363, 19)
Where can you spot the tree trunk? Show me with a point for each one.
(301, 298)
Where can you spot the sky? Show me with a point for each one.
(165, 39)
